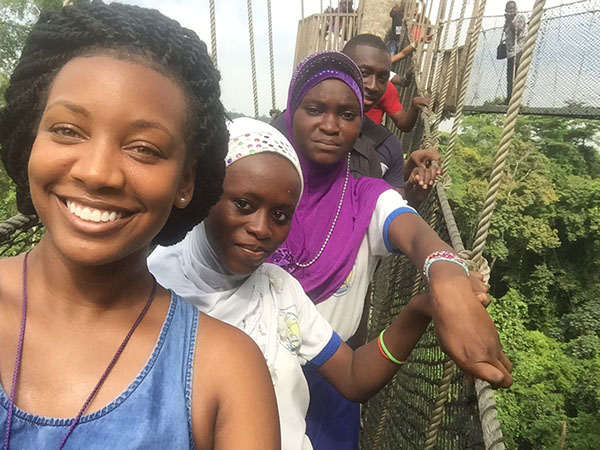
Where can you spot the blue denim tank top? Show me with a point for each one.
(154, 412)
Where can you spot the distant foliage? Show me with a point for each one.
(544, 250)
(16, 19)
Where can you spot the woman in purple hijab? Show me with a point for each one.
(343, 226)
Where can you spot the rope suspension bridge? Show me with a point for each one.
(428, 405)
(562, 80)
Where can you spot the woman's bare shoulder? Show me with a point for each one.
(11, 275)
(224, 345)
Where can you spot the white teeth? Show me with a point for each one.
(86, 213)
(92, 214)
(96, 216)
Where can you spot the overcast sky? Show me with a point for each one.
(233, 47)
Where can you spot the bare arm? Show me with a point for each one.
(401, 81)
(233, 402)
(403, 53)
(360, 374)
(464, 329)
(404, 119)
(406, 51)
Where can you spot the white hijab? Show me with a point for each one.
(191, 268)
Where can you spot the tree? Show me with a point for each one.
(544, 250)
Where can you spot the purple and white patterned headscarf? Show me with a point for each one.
(248, 137)
(318, 67)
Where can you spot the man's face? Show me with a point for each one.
(510, 10)
(375, 66)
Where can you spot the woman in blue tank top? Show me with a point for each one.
(114, 135)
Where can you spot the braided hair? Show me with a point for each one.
(126, 32)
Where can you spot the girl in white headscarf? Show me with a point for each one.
(261, 299)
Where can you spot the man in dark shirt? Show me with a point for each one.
(413, 181)
(515, 30)
(395, 33)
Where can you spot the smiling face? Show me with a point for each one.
(375, 65)
(107, 162)
(327, 122)
(254, 215)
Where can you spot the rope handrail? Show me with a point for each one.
(463, 87)
(271, 58)
(431, 132)
(452, 65)
(508, 132)
(252, 58)
(213, 34)
(19, 222)
(491, 430)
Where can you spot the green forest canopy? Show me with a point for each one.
(544, 250)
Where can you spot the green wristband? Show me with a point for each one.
(387, 352)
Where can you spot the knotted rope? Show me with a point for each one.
(451, 62)
(271, 59)
(508, 131)
(462, 96)
(252, 58)
(213, 34)
(19, 222)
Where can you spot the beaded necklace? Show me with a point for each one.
(337, 214)
(103, 377)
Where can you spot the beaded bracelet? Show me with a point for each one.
(443, 256)
(385, 352)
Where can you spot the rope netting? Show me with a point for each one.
(400, 415)
(563, 78)
(18, 234)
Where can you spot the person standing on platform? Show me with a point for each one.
(515, 30)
